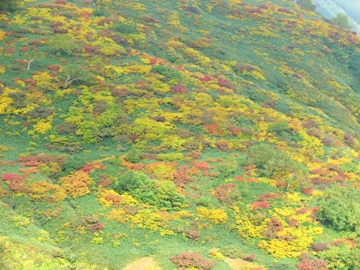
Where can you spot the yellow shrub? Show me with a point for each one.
(293, 197)
(146, 219)
(128, 200)
(77, 184)
(217, 216)
(43, 190)
(42, 127)
(317, 193)
(117, 214)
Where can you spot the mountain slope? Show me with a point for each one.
(189, 132)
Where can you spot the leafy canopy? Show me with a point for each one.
(10, 5)
(306, 4)
(341, 20)
(340, 207)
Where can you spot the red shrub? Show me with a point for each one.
(254, 10)
(53, 67)
(179, 89)
(206, 78)
(223, 192)
(193, 155)
(152, 156)
(182, 176)
(60, 2)
(314, 132)
(192, 234)
(257, 205)
(263, 7)
(293, 223)
(349, 139)
(115, 199)
(104, 181)
(285, 10)
(188, 259)
(29, 161)
(10, 177)
(306, 263)
(223, 146)
(104, 21)
(317, 247)
(9, 49)
(35, 43)
(91, 49)
(202, 165)
(96, 227)
(250, 258)
(180, 68)
(15, 182)
(153, 61)
(223, 82)
(310, 124)
(308, 191)
(56, 24)
(214, 129)
(234, 130)
(269, 196)
(275, 225)
(89, 167)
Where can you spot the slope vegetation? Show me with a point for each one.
(194, 134)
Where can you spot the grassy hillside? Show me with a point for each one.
(202, 134)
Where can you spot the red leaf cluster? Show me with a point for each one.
(53, 67)
(182, 176)
(263, 205)
(179, 89)
(15, 182)
(61, 2)
(202, 165)
(285, 10)
(89, 167)
(223, 82)
(222, 193)
(214, 129)
(306, 263)
(206, 78)
(269, 196)
(104, 181)
(115, 199)
(188, 259)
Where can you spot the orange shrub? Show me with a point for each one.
(77, 184)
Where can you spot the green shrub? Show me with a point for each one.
(340, 257)
(278, 128)
(132, 156)
(170, 157)
(129, 182)
(100, 12)
(10, 5)
(166, 195)
(350, 167)
(268, 161)
(341, 20)
(125, 27)
(169, 73)
(227, 168)
(340, 207)
(306, 4)
(73, 163)
(145, 193)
